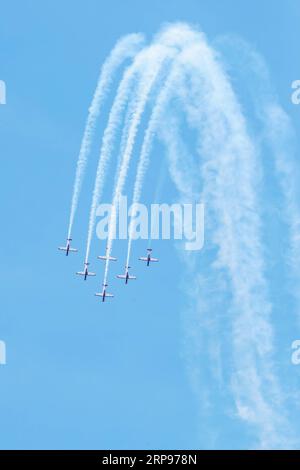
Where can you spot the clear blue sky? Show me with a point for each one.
(79, 375)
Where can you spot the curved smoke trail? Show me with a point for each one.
(125, 48)
(147, 144)
(142, 59)
(278, 132)
(167, 41)
(230, 155)
(114, 121)
(158, 56)
(230, 174)
(178, 36)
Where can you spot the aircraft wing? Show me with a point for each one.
(142, 258)
(109, 295)
(81, 273)
(91, 274)
(121, 276)
(131, 277)
(62, 248)
(154, 260)
(73, 249)
(111, 258)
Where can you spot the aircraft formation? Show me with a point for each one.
(126, 276)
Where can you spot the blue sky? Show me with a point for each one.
(79, 375)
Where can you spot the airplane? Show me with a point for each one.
(85, 273)
(67, 248)
(126, 275)
(106, 257)
(148, 259)
(104, 294)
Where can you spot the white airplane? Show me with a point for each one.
(106, 257)
(148, 258)
(68, 248)
(85, 272)
(126, 275)
(104, 294)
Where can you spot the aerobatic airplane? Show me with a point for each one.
(85, 272)
(68, 248)
(126, 276)
(148, 258)
(104, 294)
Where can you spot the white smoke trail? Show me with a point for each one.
(130, 110)
(279, 132)
(147, 143)
(230, 173)
(114, 121)
(181, 36)
(219, 117)
(167, 40)
(156, 57)
(231, 159)
(277, 129)
(125, 48)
